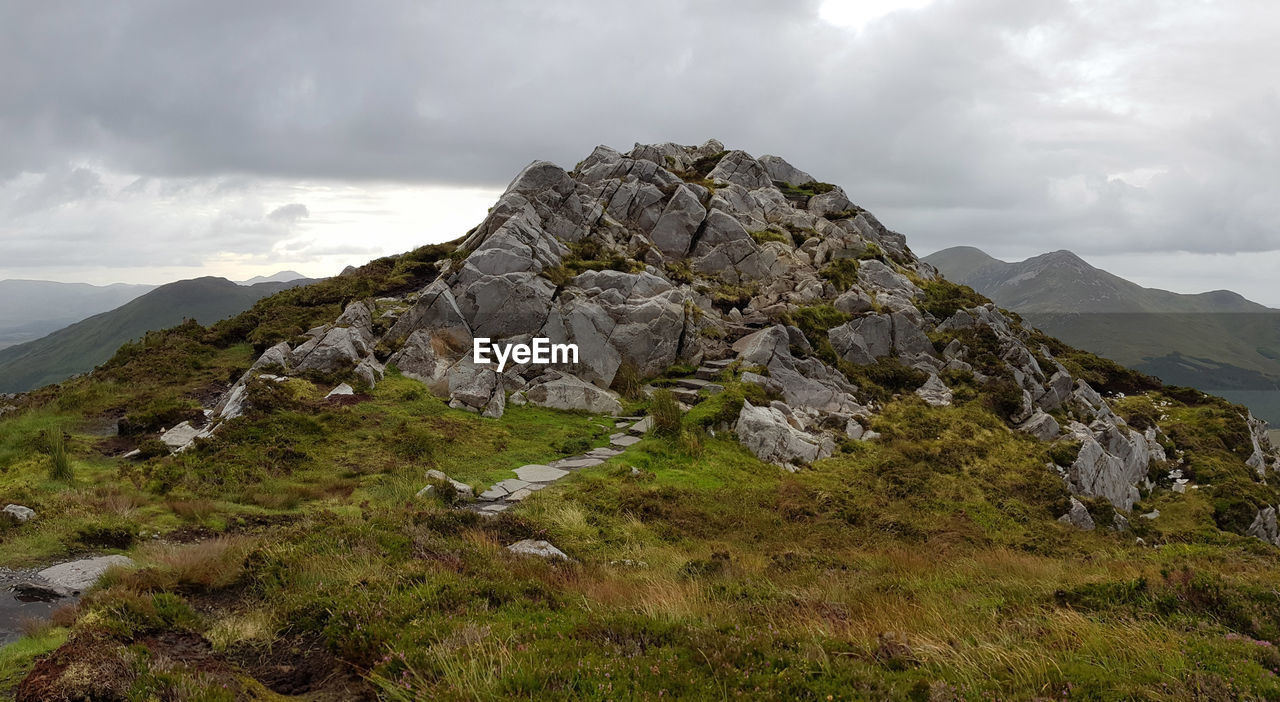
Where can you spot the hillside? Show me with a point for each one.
(280, 277)
(85, 344)
(1062, 282)
(29, 309)
(790, 462)
(1217, 341)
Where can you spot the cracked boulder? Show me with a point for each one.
(768, 433)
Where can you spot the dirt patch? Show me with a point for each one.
(347, 400)
(187, 649)
(253, 523)
(89, 666)
(189, 534)
(208, 395)
(301, 666)
(116, 445)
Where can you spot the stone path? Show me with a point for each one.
(535, 476)
(531, 478)
(689, 390)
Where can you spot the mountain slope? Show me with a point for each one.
(1217, 341)
(280, 277)
(1060, 281)
(29, 309)
(790, 463)
(85, 344)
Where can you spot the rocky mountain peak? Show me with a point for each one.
(700, 256)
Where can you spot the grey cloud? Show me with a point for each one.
(289, 213)
(1007, 124)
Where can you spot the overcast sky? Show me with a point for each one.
(149, 141)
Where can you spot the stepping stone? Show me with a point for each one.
(622, 425)
(617, 435)
(692, 383)
(540, 473)
(493, 493)
(626, 441)
(689, 397)
(493, 509)
(705, 373)
(576, 462)
(519, 495)
(720, 363)
(512, 484)
(603, 452)
(644, 426)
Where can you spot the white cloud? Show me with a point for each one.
(1148, 127)
(857, 14)
(159, 229)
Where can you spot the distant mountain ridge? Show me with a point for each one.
(29, 309)
(82, 346)
(1061, 281)
(1216, 341)
(280, 277)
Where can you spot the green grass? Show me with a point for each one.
(698, 572)
(16, 658)
(767, 235)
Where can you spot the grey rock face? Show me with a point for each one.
(1264, 526)
(471, 386)
(854, 302)
(833, 202)
(369, 371)
(1056, 393)
(875, 274)
(1041, 425)
(784, 172)
(436, 313)
(508, 305)
(726, 249)
(1078, 516)
(674, 230)
(566, 392)
(1111, 462)
(1264, 454)
(804, 383)
(338, 349)
(863, 340)
(277, 356)
(424, 357)
(934, 392)
(739, 168)
(181, 436)
(766, 432)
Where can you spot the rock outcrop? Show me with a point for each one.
(671, 254)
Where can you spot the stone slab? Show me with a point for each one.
(535, 473)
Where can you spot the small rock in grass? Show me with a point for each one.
(342, 389)
(533, 547)
(20, 513)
